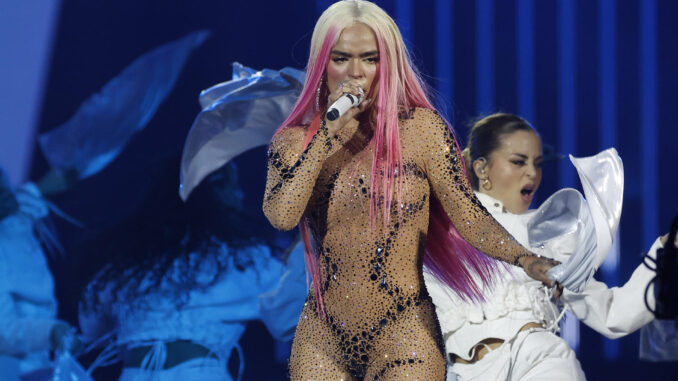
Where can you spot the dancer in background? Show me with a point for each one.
(659, 339)
(182, 281)
(361, 186)
(28, 307)
(511, 336)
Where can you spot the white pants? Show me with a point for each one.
(532, 355)
(200, 369)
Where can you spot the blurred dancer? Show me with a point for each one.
(28, 307)
(183, 281)
(659, 339)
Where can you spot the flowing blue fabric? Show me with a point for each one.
(236, 116)
(107, 120)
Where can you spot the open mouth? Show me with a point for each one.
(527, 192)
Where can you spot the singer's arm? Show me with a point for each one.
(443, 165)
(292, 173)
(346, 102)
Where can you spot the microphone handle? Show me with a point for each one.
(341, 105)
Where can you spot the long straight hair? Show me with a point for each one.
(447, 254)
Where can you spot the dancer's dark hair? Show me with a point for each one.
(486, 136)
(164, 233)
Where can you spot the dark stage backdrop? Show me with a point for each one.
(588, 74)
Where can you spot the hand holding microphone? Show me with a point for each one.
(345, 103)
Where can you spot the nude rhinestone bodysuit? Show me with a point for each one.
(380, 321)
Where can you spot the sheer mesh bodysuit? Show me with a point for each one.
(380, 322)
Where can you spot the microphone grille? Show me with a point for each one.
(333, 114)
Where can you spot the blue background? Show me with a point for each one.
(588, 74)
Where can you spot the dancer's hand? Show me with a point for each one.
(346, 87)
(536, 267)
(63, 337)
(559, 290)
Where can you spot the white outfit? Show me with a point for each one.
(27, 303)
(214, 317)
(518, 300)
(532, 355)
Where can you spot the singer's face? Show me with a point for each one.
(354, 57)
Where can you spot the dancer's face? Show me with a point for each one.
(354, 57)
(514, 170)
